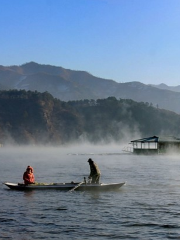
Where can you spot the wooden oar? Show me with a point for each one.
(79, 184)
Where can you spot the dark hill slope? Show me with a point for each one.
(112, 119)
(38, 118)
(32, 117)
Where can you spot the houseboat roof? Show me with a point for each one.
(161, 139)
(149, 139)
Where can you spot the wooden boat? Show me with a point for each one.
(79, 186)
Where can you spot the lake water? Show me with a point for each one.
(147, 207)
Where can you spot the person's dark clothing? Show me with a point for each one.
(94, 172)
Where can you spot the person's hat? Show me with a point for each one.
(29, 168)
(90, 160)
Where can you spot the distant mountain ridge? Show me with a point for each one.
(166, 87)
(66, 85)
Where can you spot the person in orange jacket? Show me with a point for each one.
(28, 176)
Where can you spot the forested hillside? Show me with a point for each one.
(32, 117)
(112, 119)
(38, 118)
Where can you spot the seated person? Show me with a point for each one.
(28, 176)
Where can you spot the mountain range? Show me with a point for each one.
(68, 85)
(166, 87)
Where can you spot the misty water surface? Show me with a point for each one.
(147, 207)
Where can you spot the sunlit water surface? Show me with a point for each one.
(147, 207)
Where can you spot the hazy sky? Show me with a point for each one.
(123, 40)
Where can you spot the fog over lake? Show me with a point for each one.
(147, 207)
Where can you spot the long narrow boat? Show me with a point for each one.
(79, 186)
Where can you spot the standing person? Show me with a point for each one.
(28, 176)
(94, 171)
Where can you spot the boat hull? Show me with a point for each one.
(65, 186)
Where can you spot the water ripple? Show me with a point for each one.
(147, 207)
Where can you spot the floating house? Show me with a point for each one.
(156, 145)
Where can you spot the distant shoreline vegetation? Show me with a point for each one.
(31, 117)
